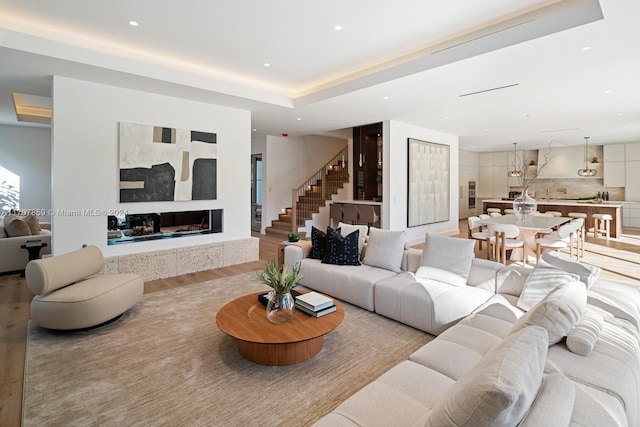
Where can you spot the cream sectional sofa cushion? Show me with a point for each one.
(447, 253)
(500, 388)
(385, 249)
(428, 305)
(583, 337)
(557, 312)
(402, 396)
(353, 284)
(554, 403)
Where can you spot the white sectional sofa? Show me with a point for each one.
(571, 356)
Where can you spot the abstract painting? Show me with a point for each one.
(166, 164)
(428, 183)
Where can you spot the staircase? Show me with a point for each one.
(311, 196)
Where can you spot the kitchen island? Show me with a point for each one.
(565, 206)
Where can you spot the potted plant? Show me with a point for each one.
(281, 279)
(293, 237)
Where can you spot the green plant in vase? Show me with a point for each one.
(281, 278)
(293, 237)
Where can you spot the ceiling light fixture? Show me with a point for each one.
(515, 172)
(266, 64)
(133, 23)
(337, 27)
(587, 171)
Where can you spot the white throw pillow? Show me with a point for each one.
(584, 335)
(385, 249)
(440, 275)
(540, 282)
(499, 389)
(558, 312)
(346, 229)
(588, 273)
(448, 253)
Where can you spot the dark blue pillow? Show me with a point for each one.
(341, 250)
(318, 243)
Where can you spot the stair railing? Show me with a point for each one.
(300, 197)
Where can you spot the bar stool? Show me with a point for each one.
(582, 233)
(335, 214)
(554, 213)
(367, 215)
(349, 214)
(600, 221)
(494, 210)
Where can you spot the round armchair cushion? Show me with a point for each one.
(87, 303)
(48, 274)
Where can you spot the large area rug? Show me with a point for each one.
(165, 362)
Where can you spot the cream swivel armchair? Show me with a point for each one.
(70, 294)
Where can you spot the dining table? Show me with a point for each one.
(530, 226)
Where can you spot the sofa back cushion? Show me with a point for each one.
(15, 226)
(500, 388)
(540, 282)
(554, 403)
(557, 312)
(448, 253)
(48, 274)
(318, 243)
(341, 250)
(587, 273)
(385, 249)
(3, 233)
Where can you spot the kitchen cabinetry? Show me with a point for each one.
(632, 151)
(631, 215)
(632, 181)
(493, 181)
(614, 165)
(565, 162)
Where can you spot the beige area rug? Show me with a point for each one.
(165, 362)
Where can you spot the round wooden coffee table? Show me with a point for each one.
(266, 343)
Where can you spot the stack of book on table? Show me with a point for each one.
(315, 304)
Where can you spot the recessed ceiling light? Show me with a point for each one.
(254, 129)
(266, 64)
(486, 130)
(133, 23)
(299, 118)
(618, 114)
(447, 117)
(608, 91)
(337, 27)
(586, 48)
(385, 97)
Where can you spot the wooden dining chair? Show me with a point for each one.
(564, 237)
(503, 238)
(475, 232)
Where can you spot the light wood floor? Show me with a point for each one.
(619, 258)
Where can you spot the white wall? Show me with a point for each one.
(85, 162)
(26, 151)
(289, 162)
(395, 180)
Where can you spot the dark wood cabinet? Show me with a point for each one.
(367, 162)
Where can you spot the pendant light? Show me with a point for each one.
(587, 171)
(515, 173)
(361, 157)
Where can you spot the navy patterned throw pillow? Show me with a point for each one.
(341, 250)
(318, 243)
